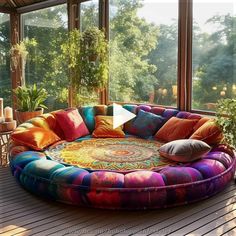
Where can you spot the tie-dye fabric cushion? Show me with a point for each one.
(166, 185)
(145, 124)
(42, 168)
(22, 159)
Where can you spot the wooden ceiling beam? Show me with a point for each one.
(7, 10)
(12, 3)
(39, 5)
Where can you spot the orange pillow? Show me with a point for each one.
(34, 137)
(104, 128)
(209, 132)
(201, 122)
(175, 128)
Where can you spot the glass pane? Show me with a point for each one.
(214, 54)
(143, 51)
(49, 28)
(89, 14)
(89, 18)
(5, 80)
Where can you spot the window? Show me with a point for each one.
(5, 79)
(49, 28)
(89, 17)
(143, 51)
(214, 56)
(89, 14)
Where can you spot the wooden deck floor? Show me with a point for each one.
(26, 214)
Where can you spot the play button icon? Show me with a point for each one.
(121, 115)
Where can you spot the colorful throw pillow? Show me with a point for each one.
(104, 128)
(72, 124)
(145, 124)
(184, 150)
(88, 114)
(48, 121)
(34, 137)
(201, 122)
(175, 128)
(209, 132)
(100, 110)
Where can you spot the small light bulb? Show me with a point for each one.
(222, 93)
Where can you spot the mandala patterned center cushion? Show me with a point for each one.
(110, 154)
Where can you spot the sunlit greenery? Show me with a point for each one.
(5, 81)
(226, 119)
(85, 54)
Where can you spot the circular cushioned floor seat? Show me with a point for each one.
(167, 185)
(138, 189)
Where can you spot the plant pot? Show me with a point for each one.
(93, 57)
(22, 116)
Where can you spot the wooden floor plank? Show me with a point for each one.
(191, 216)
(78, 227)
(209, 218)
(169, 218)
(231, 232)
(224, 228)
(61, 223)
(219, 221)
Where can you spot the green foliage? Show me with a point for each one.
(215, 65)
(142, 56)
(226, 119)
(41, 68)
(132, 74)
(86, 55)
(19, 52)
(30, 98)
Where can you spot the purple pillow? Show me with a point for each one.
(145, 124)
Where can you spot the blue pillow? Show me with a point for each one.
(145, 124)
(88, 113)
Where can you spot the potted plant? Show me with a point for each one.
(226, 119)
(18, 55)
(86, 56)
(30, 101)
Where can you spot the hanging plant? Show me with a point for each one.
(94, 58)
(19, 52)
(226, 119)
(86, 55)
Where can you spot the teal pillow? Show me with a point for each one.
(145, 124)
(88, 114)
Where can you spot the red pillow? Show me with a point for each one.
(175, 128)
(72, 124)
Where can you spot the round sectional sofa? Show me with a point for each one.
(145, 186)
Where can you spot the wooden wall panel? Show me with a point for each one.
(15, 37)
(73, 23)
(185, 54)
(104, 24)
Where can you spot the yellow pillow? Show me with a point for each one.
(104, 128)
